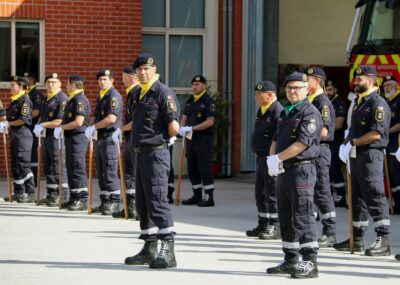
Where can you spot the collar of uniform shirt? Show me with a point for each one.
(74, 93)
(52, 94)
(145, 87)
(17, 96)
(366, 93)
(288, 107)
(264, 108)
(127, 90)
(197, 97)
(391, 98)
(30, 88)
(103, 92)
(311, 97)
(334, 97)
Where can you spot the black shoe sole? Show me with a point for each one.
(387, 253)
(314, 275)
(170, 265)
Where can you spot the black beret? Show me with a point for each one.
(51, 75)
(76, 77)
(144, 59)
(104, 72)
(330, 83)
(389, 78)
(199, 78)
(295, 76)
(129, 70)
(265, 86)
(20, 79)
(316, 71)
(365, 70)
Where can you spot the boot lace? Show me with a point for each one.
(163, 250)
(305, 266)
(270, 229)
(377, 243)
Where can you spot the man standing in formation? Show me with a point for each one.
(264, 131)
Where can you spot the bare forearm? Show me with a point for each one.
(395, 128)
(367, 139)
(173, 128)
(204, 125)
(291, 151)
(17, 123)
(52, 124)
(107, 121)
(127, 127)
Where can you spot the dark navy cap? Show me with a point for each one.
(144, 59)
(199, 78)
(389, 78)
(330, 82)
(20, 79)
(76, 77)
(129, 70)
(104, 72)
(365, 70)
(265, 86)
(51, 75)
(316, 71)
(295, 76)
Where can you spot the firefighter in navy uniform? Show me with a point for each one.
(154, 122)
(74, 123)
(323, 199)
(335, 170)
(293, 153)
(36, 98)
(51, 114)
(264, 131)
(367, 139)
(19, 117)
(390, 86)
(106, 122)
(198, 123)
(131, 83)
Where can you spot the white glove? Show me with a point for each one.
(346, 133)
(171, 141)
(183, 131)
(38, 130)
(116, 136)
(90, 132)
(4, 126)
(344, 152)
(397, 154)
(58, 132)
(274, 165)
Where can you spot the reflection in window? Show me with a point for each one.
(155, 44)
(187, 13)
(186, 59)
(153, 13)
(5, 48)
(27, 48)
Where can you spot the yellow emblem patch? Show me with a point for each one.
(310, 71)
(62, 108)
(358, 70)
(326, 113)
(379, 114)
(150, 60)
(259, 86)
(107, 72)
(24, 110)
(212, 107)
(80, 107)
(114, 103)
(171, 105)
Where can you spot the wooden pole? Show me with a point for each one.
(178, 192)
(90, 193)
(350, 206)
(386, 169)
(39, 161)
(7, 166)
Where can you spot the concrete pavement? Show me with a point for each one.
(41, 245)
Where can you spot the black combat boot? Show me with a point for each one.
(345, 245)
(307, 269)
(284, 268)
(52, 201)
(170, 192)
(195, 199)
(78, 205)
(14, 197)
(208, 200)
(326, 241)
(261, 227)
(26, 198)
(272, 232)
(397, 256)
(380, 247)
(145, 256)
(166, 256)
(131, 210)
(110, 208)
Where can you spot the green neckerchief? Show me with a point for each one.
(288, 107)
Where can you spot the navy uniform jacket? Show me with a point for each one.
(152, 114)
(198, 112)
(395, 116)
(340, 112)
(77, 106)
(325, 107)
(36, 98)
(373, 114)
(265, 128)
(302, 124)
(2, 110)
(53, 109)
(111, 103)
(20, 109)
(129, 108)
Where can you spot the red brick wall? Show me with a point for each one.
(82, 37)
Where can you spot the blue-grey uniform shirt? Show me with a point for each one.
(36, 98)
(152, 114)
(302, 124)
(111, 103)
(265, 128)
(325, 107)
(395, 116)
(20, 109)
(129, 108)
(198, 112)
(53, 109)
(77, 106)
(373, 114)
(340, 112)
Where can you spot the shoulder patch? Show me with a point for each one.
(114, 103)
(24, 109)
(212, 107)
(311, 126)
(379, 114)
(171, 104)
(38, 99)
(62, 108)
(326, 113)
(80, 107)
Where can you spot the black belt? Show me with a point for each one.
(147, 148)
(102, 135)
(290, 163)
